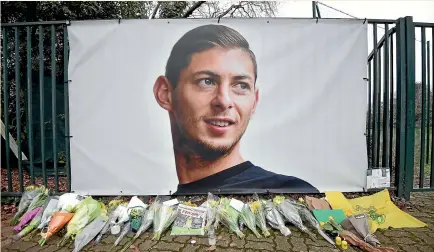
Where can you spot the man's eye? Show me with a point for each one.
(206, 82)
(244, 86)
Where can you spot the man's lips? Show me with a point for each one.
(220, 122)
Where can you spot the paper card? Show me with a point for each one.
(171, 202)
(238, 205)
(378, 178)
(189, 221)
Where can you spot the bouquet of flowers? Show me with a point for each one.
(229, 216)
(164, 217)
(86, 211)
(57, 222)
(26, 199)
(33, 224)
(247, 217)
(275, 219)
(257, 209)
(211, 210)
(308, 218)
(290, 211)
(32, 210)
(147, 220)
(89, 232)
(47, 213)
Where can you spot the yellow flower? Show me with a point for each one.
(344, 245)
(331, 218)
(348, 212)
(322, 223)
(301, 200)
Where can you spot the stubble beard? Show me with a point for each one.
(196, 148)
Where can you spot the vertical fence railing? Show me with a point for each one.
(424, 173)
(392, 112)
(35, 106)
(381, 98)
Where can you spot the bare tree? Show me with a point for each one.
(215, 9)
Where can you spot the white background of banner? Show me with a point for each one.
(310, 120)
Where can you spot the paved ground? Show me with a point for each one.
(408, 240)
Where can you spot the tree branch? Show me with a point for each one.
(233, 6)
(192, 9)
(154, 12)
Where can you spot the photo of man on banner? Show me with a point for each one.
(209, 91)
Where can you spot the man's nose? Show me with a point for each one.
(223, 99)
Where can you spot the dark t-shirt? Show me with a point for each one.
(246, 178)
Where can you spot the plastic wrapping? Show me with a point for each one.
(275, 219)
(48, 212)
(257, 208)
(248, 218)
(211, 210)
(290, 211)
(113, 214)
(28, 195)
(227, 215)
(164, 216)
(86, 211)
(27, 217)
(125, 230)
(310, 220)
(34, 223)
(89, 232)
(57, 222)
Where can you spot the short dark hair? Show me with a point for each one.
(200, 39)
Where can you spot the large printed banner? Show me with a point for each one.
(238, 106)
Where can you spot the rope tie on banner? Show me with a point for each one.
(67, 82)
(218, 20)
(364, 21)
(119, 21)
(317, 20)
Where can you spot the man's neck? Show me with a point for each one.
(190, 168)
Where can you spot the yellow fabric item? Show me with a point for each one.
(380, 209)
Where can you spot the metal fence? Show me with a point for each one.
(399, 117)
(35, 106)
(396, 136)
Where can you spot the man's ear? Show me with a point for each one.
(163, 92)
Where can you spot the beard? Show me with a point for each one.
(185, 143)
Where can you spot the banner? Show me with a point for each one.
(191, 106)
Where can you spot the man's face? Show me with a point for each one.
(215, 98)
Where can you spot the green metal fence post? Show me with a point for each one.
(410, 108)
(41, 102)
(29, 103)
(66, 99)
(18, 106)
(386, 116)
(392, 111)
(376, 116)
(423, 123)
(6, 105)
(400, 107)
(53, 105)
